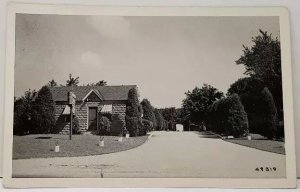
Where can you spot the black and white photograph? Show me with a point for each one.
(133, 96)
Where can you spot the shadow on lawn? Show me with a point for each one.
(52, 138)
(43, 138)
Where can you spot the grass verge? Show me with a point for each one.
(42, 146)
(264, 145)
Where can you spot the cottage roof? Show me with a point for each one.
(116, 93)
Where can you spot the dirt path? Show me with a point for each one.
(165, 154)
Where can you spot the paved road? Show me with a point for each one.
(165, 154)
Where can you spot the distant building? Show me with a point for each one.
(91, 103)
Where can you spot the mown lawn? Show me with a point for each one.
(261, 144)
(42, 146)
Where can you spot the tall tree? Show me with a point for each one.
(43, 112)
(148, 111)
(269, 114)
(52, 83)
(170, 117)
(159, 120)
(228, 116)
(249, 90)
(133, 113)
(72, 81)
(195, 105)
(263, 61)
(23, 113)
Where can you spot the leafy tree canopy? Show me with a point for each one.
(195, 105)
(148, 111)
(263, 61)
(72, 81)
(170, 117)
(23, 113)
(101, 83)
(246, 85)
(43, 111)
(52, 83)
(159, 119)
(227, 116)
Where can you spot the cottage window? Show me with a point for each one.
(106, 109)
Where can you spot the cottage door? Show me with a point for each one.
(92, 118)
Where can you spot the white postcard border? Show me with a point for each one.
(288, 182)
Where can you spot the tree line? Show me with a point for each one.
(142, 117)
(252, 104)
(74, 81)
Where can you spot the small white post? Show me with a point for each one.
(56, 150)
(101, 144)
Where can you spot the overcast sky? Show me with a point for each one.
(163, 56)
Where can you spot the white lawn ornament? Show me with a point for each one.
(127, 135)
(120, 139)
(56, 149)
(249, 137)
(101, 143)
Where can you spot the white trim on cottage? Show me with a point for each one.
(86, 96)
(67, 110)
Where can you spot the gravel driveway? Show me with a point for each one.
(165, 154)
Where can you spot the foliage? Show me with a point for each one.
(259, 105)
(169, 113)
(132, 125)
(159, 120)
(246, 86)
(52, 83)
(23, 113)
(269, 114)
(197, 102)
(43, 112)
(101, 83)
(104, 125)
(227, 116)
(249, 90)
(147, 126)
(263, 61)
(72, 81)
(170, 117)
(76, 127)
(148, 112)
(133, 112)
